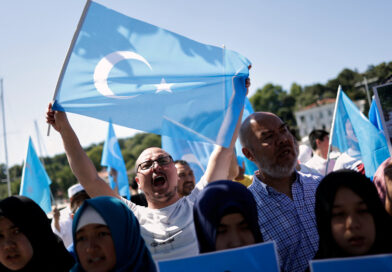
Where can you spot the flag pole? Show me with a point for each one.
(367, 91)
(70, 49)
(5, 139)
(333, 126)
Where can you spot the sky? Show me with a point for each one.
(303, 41)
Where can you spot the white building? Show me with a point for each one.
(318, 116)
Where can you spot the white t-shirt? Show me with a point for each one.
(65, 223)
(169, 232)
(319, 164)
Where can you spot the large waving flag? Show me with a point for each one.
(35, 180)
(113, 159)
(354, 133)
(144, 77)
(197, 154)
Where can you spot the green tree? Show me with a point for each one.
(273, 98)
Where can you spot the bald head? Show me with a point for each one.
(148, 152)
(247, 130)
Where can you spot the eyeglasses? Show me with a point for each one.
(161, 161)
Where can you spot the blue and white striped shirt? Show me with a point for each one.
(290, 222)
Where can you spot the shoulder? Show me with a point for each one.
(309, 179)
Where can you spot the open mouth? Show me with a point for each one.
(12, 257)
(158, 181)
(284, 152)
(95, 260)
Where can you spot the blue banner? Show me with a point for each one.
(144, 77)
(373, 263)
(261, 257)
(354, 133)
(113, 159)
(35, 181)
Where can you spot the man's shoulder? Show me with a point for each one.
(309, 181)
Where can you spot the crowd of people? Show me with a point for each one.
(309, 214)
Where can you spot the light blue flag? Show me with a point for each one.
(35, 180)
(260, 257)
(113, 159)
(353, 133)
(374, 116)
(357, 264)
(147, 78)
(197, 154)
(250, 167)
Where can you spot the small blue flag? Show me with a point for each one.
(113, 159)
(147, 78)
(259, 257)
(374, 116)
(197, 154)
(35, 180)
(354, 133)
(357, 264)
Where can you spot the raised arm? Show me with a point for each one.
(218, 167)
(80, 163)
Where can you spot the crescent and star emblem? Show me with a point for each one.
(106, 64)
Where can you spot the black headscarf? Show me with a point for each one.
(365, 189)
(218, 199)
(49, 253)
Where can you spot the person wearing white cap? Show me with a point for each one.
(62, 220)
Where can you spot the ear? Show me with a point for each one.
(248, 154)
(137, 180)
(318, 142)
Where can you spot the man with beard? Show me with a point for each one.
(167, 223)
(186, 178)
(285, 198)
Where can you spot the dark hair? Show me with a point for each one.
(49, 252)
(365, 189)
(388, 171)
(182, 162)
(77, 200)
(134, 184)
(316, 134)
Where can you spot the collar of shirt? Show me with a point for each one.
(260, 186)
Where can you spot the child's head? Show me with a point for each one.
(26, 238)
(93, 242)
(15, 249)
(225, 217)
(107, 236)
(351, 219)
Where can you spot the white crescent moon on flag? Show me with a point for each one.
(111, 144)
(106, 64)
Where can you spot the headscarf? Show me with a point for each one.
(218, 199)
(49, 252)
(131, 251)
(365, 189)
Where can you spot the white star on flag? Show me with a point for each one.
(163, 86)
